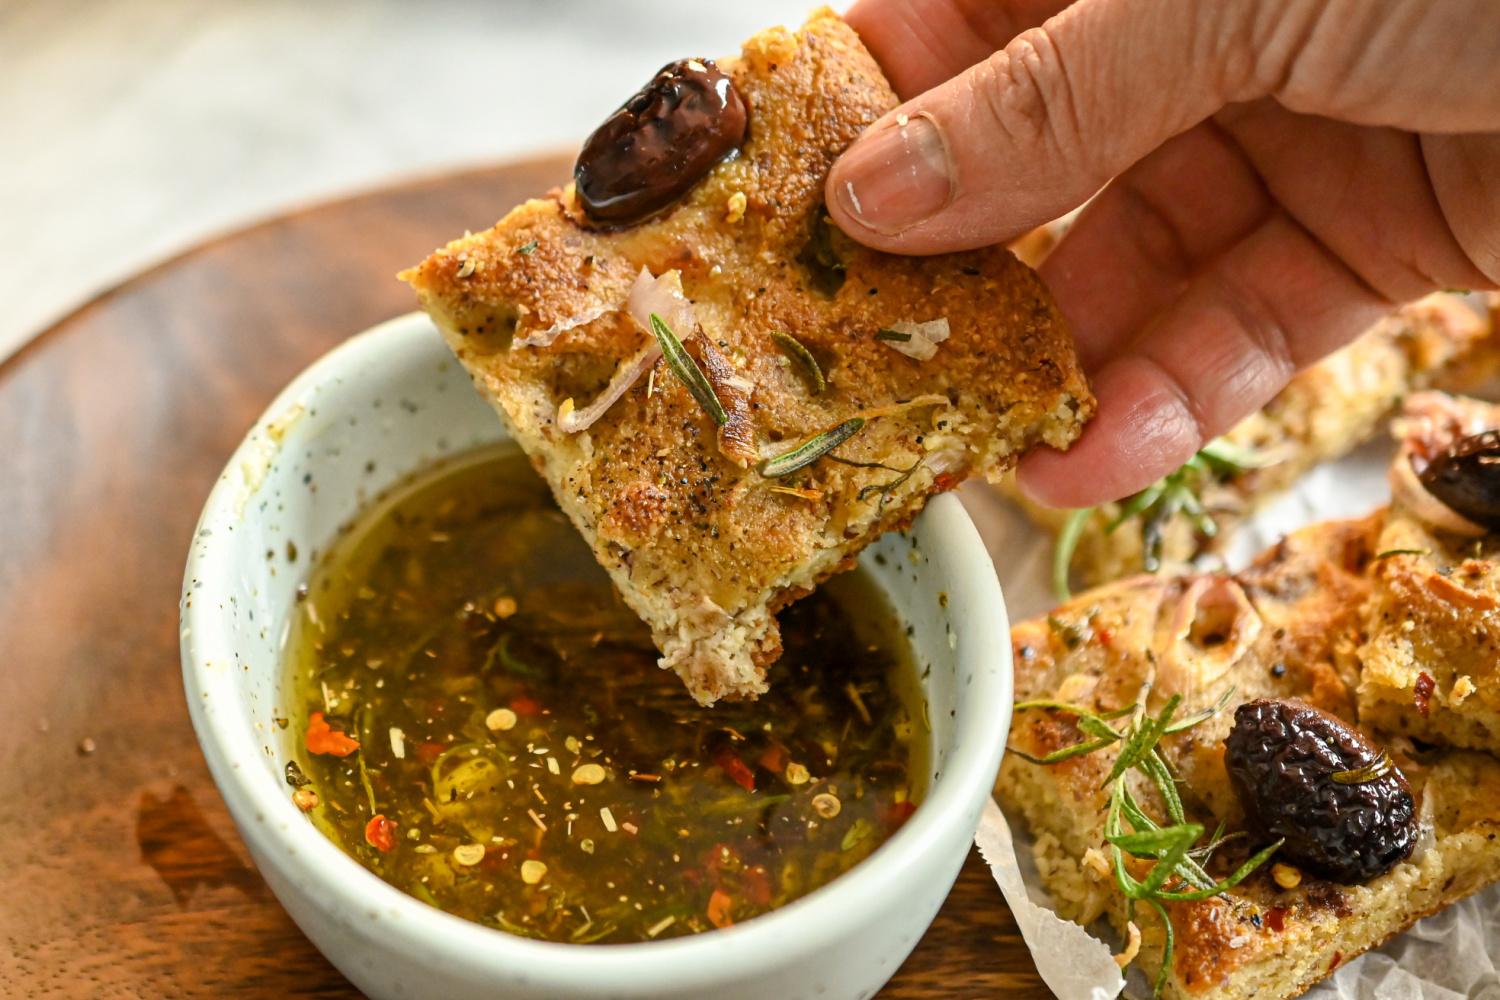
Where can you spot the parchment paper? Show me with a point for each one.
(1449, 956)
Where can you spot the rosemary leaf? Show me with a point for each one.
(1061, 706)
(1189, 721)
(1156, 769)
(810, 451)
(1239, 875)
(864, 465)
(885, 333)
(1376, 769)
(687, 370)
(1402, 552)
(1094, 726)
(1226, 452)
(1149, 843)
(1218, 840)
(1167, 948)
(1189, 869)
(1067, 544)
(1145, 498)
(1143, 740)
(1185, 834)
(885, 489)
(1066, 753)
(803, 358)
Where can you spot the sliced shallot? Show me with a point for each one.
(648, 295)
(1408, 490)
(571, 420)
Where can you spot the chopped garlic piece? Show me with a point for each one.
(1132, 946)
(736, 208)
(1462, 688)
(924, 338)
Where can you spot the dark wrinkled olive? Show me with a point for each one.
(1466, 477)
(1282, 756)
(660, 143)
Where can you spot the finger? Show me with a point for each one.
(921, 43)
(1038, 127)
(1136, 247)
(1362, 191)
(1465, 171)
(1407, 64)
(1272, 305)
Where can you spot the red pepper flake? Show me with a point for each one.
(1105, 637)
(731, 765)
(899, 813)
(380, 833)
(1276, 919)
(718, 908)
(723, 858)
(1338, 957)
(945, 482)
(774, 759)
(323, 738)
(427, 753)
(758, 885)
(523, 705)
(1425, 687)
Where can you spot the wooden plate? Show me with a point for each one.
(121, 874)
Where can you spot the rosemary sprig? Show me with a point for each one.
(884, 489)
(803, 359)
(1177, 873)
(1401, 552)
(1157, 505)
(687, 370)
(810, 451)
(1377, 768)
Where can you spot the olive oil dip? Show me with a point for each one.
(480, 721)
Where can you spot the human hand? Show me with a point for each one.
(1284, 172)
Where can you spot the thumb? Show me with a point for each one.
(1037, 128)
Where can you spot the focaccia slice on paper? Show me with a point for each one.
(702, 544)
(1287, 627)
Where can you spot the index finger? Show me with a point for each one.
(921, 43)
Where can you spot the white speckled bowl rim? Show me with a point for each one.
(249, 779)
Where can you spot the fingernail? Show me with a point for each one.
(895, 178)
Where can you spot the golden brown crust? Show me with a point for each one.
(1294, 634)
(531, 308)
(1432, 660)
(1322, 414)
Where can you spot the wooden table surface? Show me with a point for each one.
(121, 874)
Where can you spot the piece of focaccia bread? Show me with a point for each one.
(1287, 627)
(702, 544)
(1432, 661)
(1322, 414)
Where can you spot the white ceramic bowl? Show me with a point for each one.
(390, 403)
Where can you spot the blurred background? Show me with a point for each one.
(132, 129)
